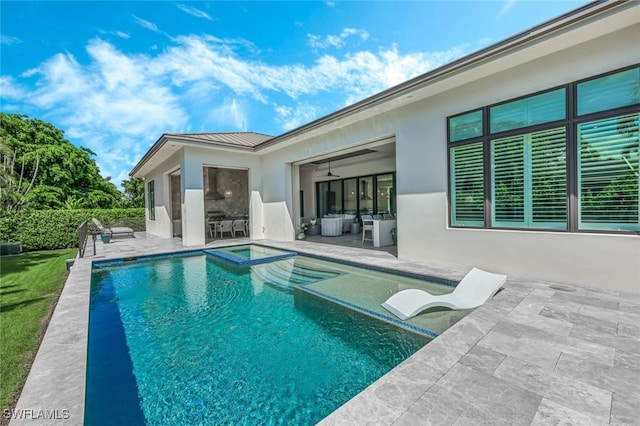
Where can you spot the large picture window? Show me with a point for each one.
(373, 194)
(538, 152)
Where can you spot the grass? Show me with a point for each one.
(29, 288)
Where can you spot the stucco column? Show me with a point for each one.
(193, 228)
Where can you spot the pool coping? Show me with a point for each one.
(55, 387)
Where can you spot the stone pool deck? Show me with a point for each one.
(538, 353)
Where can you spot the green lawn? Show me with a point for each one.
(29, 287)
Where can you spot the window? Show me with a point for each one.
(608, 92)
(467, 185)
(351, 196)
(538, 109)
(465, 126)
(151, 204)
(538, 152)
(384, 194)
(528, 180)
(357, 195)
(608, 165)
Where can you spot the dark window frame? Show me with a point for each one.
(571, 122)
(357, 178)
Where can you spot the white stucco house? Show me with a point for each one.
(521, 158)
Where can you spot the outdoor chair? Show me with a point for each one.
(112, 231)
(474, 290)
(367, 225)
(239, 226)
(225, 226)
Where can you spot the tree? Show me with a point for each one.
(64, 171)
(13, 186)
(133, 192)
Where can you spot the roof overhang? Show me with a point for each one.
(168, 144)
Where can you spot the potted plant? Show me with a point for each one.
(302, 228)
(313, 220)
(394, 235)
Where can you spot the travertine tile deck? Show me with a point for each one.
(538, 353)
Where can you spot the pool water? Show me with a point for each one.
(189, 340)
(251, 254)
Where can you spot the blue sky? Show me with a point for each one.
(116, 75)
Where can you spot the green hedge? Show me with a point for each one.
(58, 229)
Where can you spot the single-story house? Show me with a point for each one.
(521, 158)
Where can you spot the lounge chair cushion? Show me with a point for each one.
(116, 230)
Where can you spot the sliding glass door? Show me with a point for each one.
(358, 195)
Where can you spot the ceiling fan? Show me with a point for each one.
(329, 174)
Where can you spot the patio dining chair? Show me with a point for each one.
(225, 226)
(239, 226)
(367, 225)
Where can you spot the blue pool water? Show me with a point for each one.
(189, 340)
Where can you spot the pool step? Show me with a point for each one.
(289, 274)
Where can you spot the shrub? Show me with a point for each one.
(58, 229)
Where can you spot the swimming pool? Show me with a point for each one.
(189, 339)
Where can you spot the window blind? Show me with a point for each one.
(529, 180)
(608, 174)
(467, 185)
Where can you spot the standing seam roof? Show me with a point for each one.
(248, 139)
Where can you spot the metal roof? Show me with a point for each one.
(247, 139)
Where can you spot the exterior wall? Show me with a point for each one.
(603, 260)
(610, 261)
(193, 209)
(280, 183)
(161, 226)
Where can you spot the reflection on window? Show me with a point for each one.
(357, 195)
(151, 203)
(608, 165)
(465, 126)
(366, 195)
(384, 194)
(538, 109)
(608, 92)
(351, 196)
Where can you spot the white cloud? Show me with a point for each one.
(114, 105)
(146, 24)
(506, 7)
(292, 117)
(118, 104)
(230, 111)
(9, 40)
(120, 34)
(194, 12)
(336, 41)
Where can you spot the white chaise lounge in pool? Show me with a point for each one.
(475, 289)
